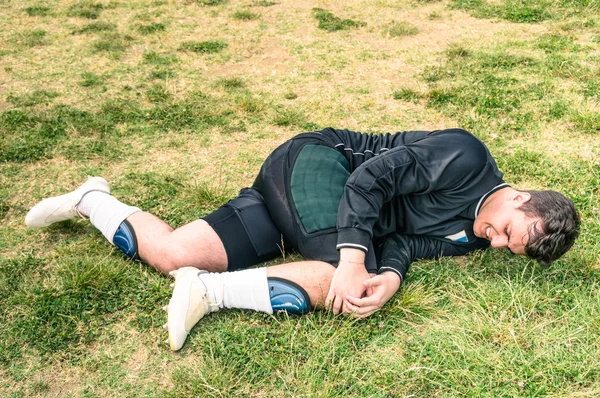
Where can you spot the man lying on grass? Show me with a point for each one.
(359, 208)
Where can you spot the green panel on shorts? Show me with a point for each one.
(318, 178)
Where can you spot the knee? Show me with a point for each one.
(327, 271)
(169, 255)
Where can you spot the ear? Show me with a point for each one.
(519, 198)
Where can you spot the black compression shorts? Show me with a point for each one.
(246, 230)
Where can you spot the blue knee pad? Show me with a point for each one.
(125, 240)
(288, 296)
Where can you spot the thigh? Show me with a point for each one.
(247, 231)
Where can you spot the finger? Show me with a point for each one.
(372, 282)
(350, 308)
(337, 305)
(363, 302)
(359, 311)
(358, 302)
(365, 312)
(329, 299)
(347, 307)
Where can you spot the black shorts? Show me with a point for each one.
(246, 230)
(263, 220)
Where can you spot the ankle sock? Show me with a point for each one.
(89, 200)
(246, 289)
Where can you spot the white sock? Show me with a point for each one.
(105, 211)
(89, 200)
(247, 289)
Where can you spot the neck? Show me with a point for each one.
(496, 198)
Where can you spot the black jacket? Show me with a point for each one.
(415, 194)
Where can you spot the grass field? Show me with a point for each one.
(177, 102)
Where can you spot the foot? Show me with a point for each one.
(188, 305)
(64, 207)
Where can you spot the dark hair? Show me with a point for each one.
(559, 229)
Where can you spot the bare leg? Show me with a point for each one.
(197, 294)
(313, 276)
(193, 245)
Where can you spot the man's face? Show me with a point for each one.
(504, 225)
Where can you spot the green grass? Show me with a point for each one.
(289, 117)
(37, 11)
(31, 38)
(30, 99)
(86, 9)
(204, 47)
(406, 94)
(97, 26)
(210, 2)
(177, 106)
(231, 83)
(157, 94)
(154, 58)
(331, 23)
(90, 79)
(151, 28)
(399, 29)
(527, 11)
(245, 15)
(495, 84)
(263, 3)
(113, 43)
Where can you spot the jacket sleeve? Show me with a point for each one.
(440, 161)
(399, 251)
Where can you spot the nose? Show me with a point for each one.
(499, 241)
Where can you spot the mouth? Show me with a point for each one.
(488, 233)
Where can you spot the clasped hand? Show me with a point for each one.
(379, 289)
(347, 280)
(355, 292)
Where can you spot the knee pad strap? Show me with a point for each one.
(288, 296)
(126, 240)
